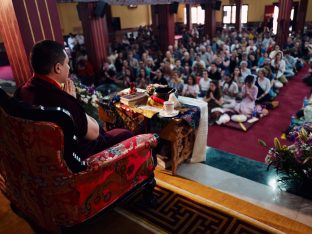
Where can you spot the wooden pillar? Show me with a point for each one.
(238, 24)
(95, 32)
(283, 21)
(155, 22)
(110, 26)
(210, 21)
(166, 27)
(301, 16)
(22, 24)
(188, 17)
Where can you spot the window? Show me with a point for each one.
(229, 14)
(275, 17)
(198, 15)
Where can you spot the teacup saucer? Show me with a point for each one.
(163, 113)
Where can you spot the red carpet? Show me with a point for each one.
(6, 73)
(246, 143)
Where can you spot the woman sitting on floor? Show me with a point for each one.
(264, 85)
(249, 95)
(215, 101)
(176, 82)
(230, 91)
(143, 80)
(191, 89)
(244, 70)
(279, 67)
(239, 79)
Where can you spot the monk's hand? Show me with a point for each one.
(70, 88)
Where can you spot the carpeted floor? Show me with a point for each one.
(252, 170)
(245, 143)
(241, 166)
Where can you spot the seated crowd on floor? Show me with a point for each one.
(237, 72)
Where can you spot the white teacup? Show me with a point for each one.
(168, 107)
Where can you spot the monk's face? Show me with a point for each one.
(63, 70)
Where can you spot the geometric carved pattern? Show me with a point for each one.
(179, 214)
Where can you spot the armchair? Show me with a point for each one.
(43, 177)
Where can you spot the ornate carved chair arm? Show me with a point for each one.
(128, 147)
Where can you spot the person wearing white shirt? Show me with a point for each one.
(235, 45)
(80, 39)
(230, 91)
(204, 84)
(279, 66)
(204, 55)
(264, 85)
(266, 40)
(244, 70)
(198, 62)
(71, 41)
(210, 54)
(191, 89)
(251, 47)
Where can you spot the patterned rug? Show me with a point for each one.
(182, 212)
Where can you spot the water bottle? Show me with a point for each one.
(254, 113)
(305, 101)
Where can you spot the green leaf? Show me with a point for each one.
(262, 143)
(307, 159)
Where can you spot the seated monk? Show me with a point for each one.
(51, 70)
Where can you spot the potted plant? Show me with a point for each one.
(293, 163)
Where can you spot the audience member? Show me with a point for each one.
(249, 95)
(215, 100)
(191, 89)
(214, 73)
(230, 53)
(204, 84)
(229, 90)
(176, 82)
(264, 86)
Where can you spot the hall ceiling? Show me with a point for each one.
(141, 2)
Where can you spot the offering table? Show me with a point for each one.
(179, 131)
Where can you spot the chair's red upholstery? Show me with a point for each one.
(36, 179)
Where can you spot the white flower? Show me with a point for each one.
(268, 159)
(98, 94)
(95, 105)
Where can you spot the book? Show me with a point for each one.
(163, 161)
(134, 99)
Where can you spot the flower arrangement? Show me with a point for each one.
(151, 88)
(88, 95)
(293, 161)
(88, 98)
